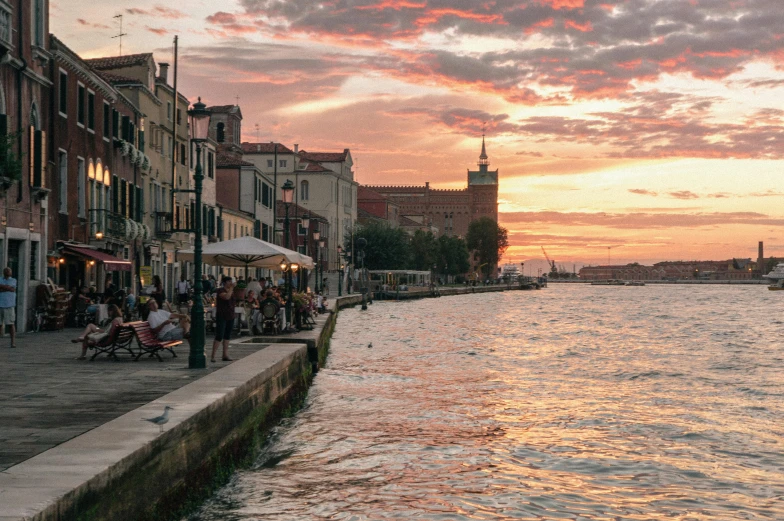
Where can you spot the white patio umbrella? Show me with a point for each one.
(249, 252)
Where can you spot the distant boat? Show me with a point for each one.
(612, 282)
(777, 275)
(635, 283)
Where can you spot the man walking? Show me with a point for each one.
(8, 304)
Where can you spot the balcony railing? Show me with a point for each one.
(110, 224)
(164, 224)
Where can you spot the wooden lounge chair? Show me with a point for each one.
(149, 343)
(120, 338)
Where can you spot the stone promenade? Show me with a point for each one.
(48, 397)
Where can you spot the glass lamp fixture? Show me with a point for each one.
(294, 267)
(287, 191)
(200, 122)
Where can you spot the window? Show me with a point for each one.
(304, 190)
(62, 158)
(210, 165)
(168, 110)
(90, 110)
(270, 163)
(115, 123)
(282, 163)
(170, 149)
(179, 116)
(301, 230)
(34, 260)
(80, 105)
(221, 133)
(183, 154)
(38, 21)
(107, 121)
(80, 188)
(115, 194)
(63, 93)
(126, 128)
(265, 199)
(123, 197)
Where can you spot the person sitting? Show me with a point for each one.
(109, 290)
(161, 323)
(93, 335)
(269, 297)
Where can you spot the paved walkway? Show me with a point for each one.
(48, 397)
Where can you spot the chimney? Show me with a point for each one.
(296, 148)
(163, 74)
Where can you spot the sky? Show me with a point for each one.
(632, 131)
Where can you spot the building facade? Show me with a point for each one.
(25, 90)
(449, 211)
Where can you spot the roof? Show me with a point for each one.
(116, 79)
(325, 157)
(296, 212)
(366, 194)
(406, 222)
(230, 160)
(119, 62)
(265, 148)
(314, 167)
(221, 108)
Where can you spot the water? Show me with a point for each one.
(575, 402)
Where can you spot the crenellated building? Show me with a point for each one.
(448, 211)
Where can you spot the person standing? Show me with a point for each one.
(8, 304)
(224, 317)
(183, 291)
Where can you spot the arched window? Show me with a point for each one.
(304, 191)
(221, 130)
(34, 116)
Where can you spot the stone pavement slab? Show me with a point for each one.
(48, 397)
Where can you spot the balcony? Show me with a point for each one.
(110, 224)
(164, 225)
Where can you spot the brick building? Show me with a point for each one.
(449, 211)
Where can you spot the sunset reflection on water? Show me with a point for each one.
(575, 402)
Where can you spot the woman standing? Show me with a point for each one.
(224, 317)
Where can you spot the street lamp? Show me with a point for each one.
(287, 191)
(360, 244)
(316, 236)
(319, 267)
(340, 274)
(306, 226)
(199, 118)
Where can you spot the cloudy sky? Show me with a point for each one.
(646, 129)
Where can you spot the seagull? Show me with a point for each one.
(370, 345)
(160, 420)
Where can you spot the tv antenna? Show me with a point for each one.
(257, 129)
(120, 36)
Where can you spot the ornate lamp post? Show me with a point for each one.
(305, 221)
(316, 236)
(200, 124)
(320, 268)
(340, 274)
(287, 191)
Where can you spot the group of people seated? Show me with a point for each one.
(84, 300)
(168, 325)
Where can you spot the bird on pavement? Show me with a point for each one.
(160, 420)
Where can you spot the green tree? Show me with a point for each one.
(453, 256)
(425, 252)
(488, 240)
(387, 248)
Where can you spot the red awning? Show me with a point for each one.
(110, 262)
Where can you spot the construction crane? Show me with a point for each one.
(553, 269)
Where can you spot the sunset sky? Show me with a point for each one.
(652, 127)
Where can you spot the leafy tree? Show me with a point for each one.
(453, 255)
(488, 240)
(387, 248)
(425, 251)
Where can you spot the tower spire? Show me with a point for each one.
(483, 162)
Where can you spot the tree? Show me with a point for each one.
(425, 252)
(488, 240)
(387, 248)
(453, 255)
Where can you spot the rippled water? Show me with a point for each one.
(575, 402)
